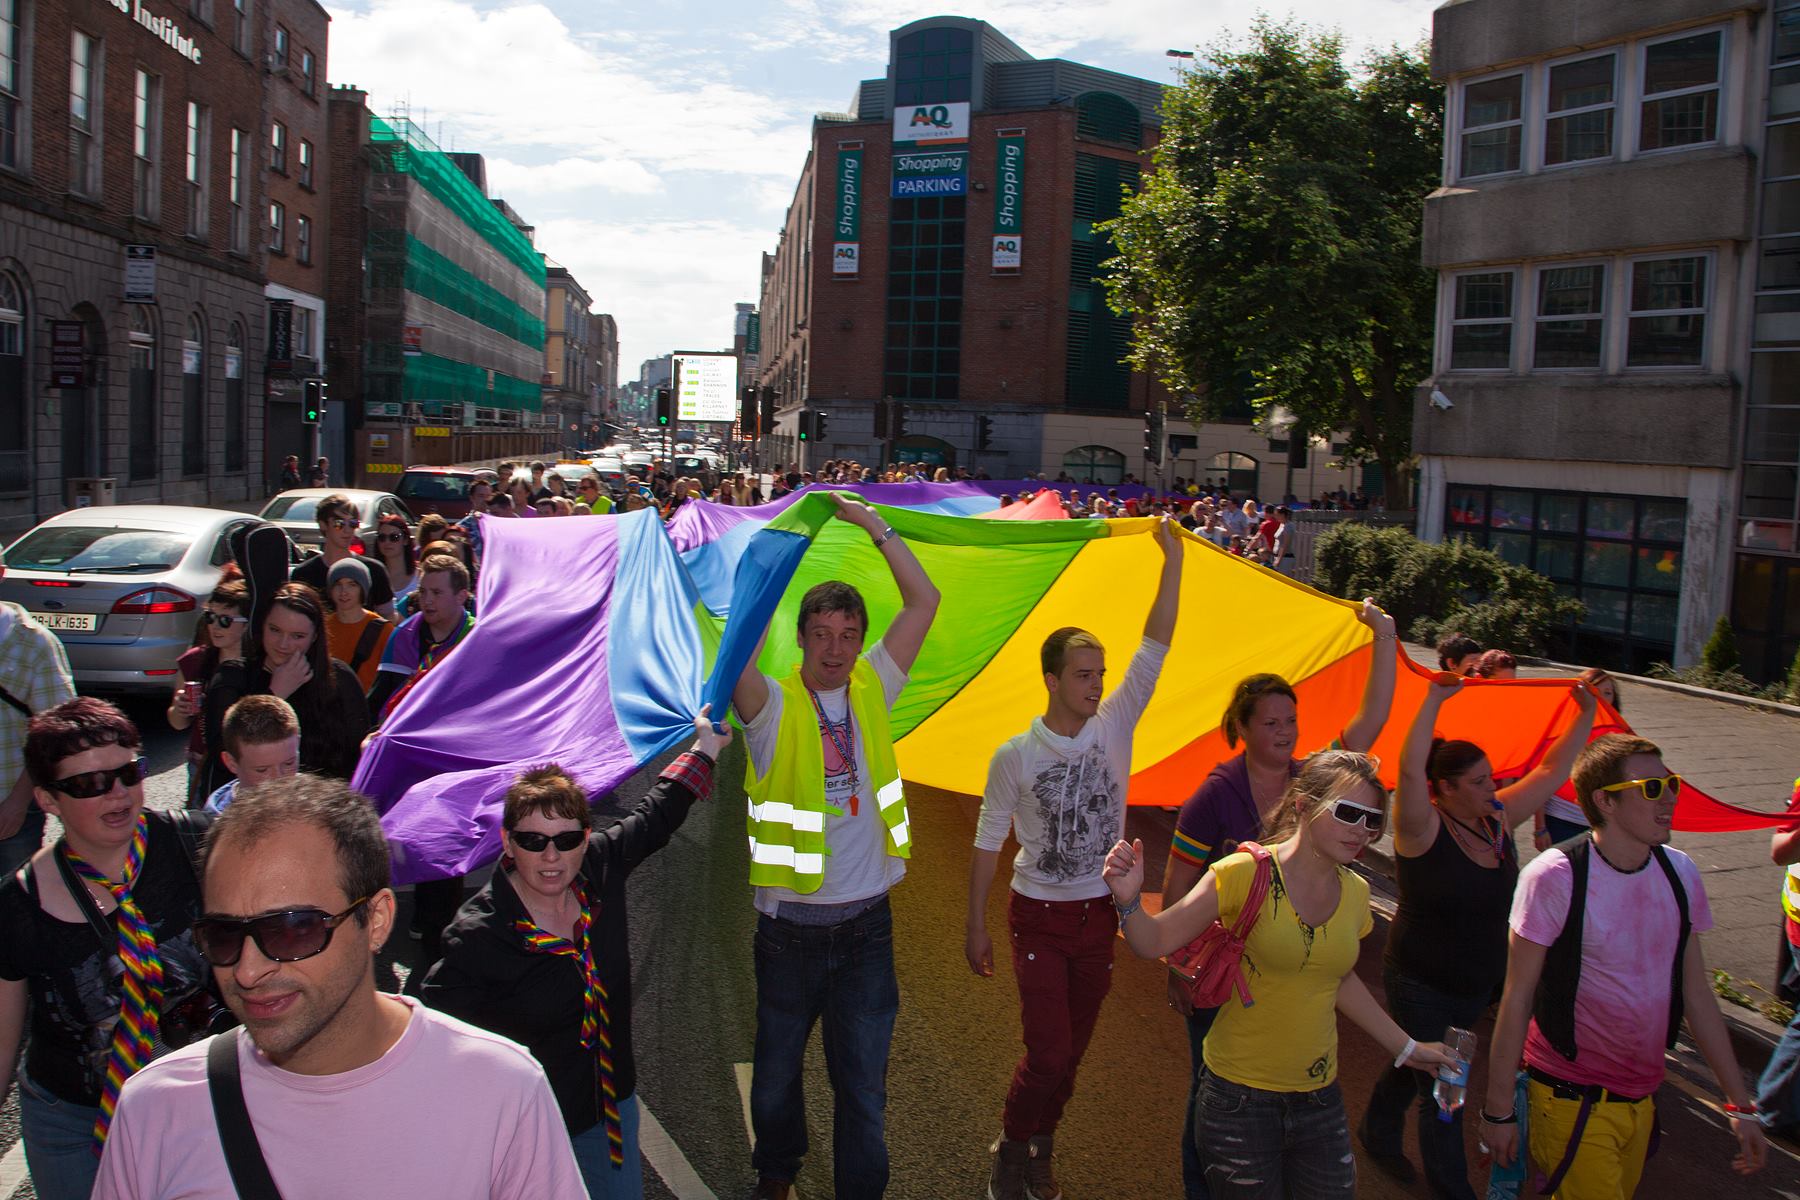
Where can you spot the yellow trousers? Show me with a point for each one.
(1613, 1145)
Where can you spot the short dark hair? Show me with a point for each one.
(332, 507)
(448, 565)
(70, 728)
(833, 596)
(1492, 661)
(259, 720)
(1243, 702)
(323, 803)
(1450, 758)
(1454, 647)
(1602, 761)
(547, 789)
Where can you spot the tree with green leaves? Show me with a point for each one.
(1273, 254)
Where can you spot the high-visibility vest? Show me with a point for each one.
(1790, 883)
(787, 805)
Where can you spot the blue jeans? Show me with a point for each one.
(594, 1158)
(1193, 1167)
(1424, 1012)
(1778, 1091)
(1262, 1145)
(23, 844)
(845, 973)
(59, 1143)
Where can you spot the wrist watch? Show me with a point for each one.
(886, 535)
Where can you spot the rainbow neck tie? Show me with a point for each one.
(594, 1020)
(142, 981)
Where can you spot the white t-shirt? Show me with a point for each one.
(859, 865)
(450, 1111)
(1064, 797)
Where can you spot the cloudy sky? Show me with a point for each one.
(655, 143)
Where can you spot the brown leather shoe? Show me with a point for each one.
(771, 1189)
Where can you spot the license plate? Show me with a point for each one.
(71, 622)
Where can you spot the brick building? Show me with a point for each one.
(142, 131)
(296, 222)
(569, 355)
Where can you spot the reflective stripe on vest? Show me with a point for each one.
(787, 808)
(1790, 893)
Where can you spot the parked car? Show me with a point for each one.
(440, 490)
(122, 586)
(297, 512)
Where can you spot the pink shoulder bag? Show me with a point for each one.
(1213, 963)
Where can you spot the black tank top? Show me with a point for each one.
(1450, 930)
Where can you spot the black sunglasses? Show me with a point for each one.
(90, 784)
(393, 537)
(283, 937)
(565, 841)
(1351, 814)
(342, 523)
(222, 620)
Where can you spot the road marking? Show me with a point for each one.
(12, 1169)
(666, 1158)
(742, 1071)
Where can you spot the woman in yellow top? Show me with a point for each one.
(1270, 1120)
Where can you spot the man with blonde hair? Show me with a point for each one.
(1060, 787)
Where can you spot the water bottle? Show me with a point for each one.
(1453, 1081)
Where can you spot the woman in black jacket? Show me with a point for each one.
(540, 955)
(288, 655)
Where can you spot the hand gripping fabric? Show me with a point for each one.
(141, 1008)
(1213, 963)
(595, 1031)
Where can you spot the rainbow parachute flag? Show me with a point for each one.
(599, 639)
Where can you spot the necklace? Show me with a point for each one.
(844, 743)
(1491, 836)
(1621, 870)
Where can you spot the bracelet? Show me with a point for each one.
(1511, 1118)
(1125, 910)
(1405, 1052)
(887, 535)
(1387, 637)
(1741, 1112)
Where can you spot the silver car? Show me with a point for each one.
(297, 513)
(122, 586)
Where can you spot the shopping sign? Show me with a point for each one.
(1009, 201)
(940, 173)
(846, 251)
(923, 123)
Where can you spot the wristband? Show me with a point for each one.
(1125, 910)
(886, 535)
(1387, 637)
(1405, 1052)
(1741, 1112)
(1511, 1118)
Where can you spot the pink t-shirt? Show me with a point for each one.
(1627, 952)
(450, 1111)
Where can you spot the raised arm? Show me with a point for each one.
(752, 690)
(1415, 820)
(1531, 793)
(1378, 691)
(1159, 626)
(918, 595)
(1172, 928)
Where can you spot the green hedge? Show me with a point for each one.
(1431, 588)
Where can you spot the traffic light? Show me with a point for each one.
(1153, 434)
(818, 421)
(768, 409)
(896, 420)
(806, 424)
(984, 432)
(312, 401)
(747, 411)
(665, 406)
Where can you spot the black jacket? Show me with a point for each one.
(489, 978)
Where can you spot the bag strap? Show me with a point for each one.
(237, 1133)
(365, 643)
(1681, 940)
(1259, 889)
(10, 699)
(84, 900)
(1549, 1186)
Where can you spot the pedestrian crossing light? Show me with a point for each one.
(312, 401)
(665, 406)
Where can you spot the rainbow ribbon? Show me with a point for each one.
(141, 1008)
(594, 1017)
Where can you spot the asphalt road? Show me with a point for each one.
(957, 1038)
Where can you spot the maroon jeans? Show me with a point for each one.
(1063, 957)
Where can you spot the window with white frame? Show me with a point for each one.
(303, 239)
(1667, 322)
(84, 114)
(278, 147)
(281, 47)
(1481, 323)
(304, 152)
(1679, 82)
(1492, 125)
(1570, 330)
(196, 168)
(146, 134)
(302, 334)
(12, 91)
(307, 72)
(240, 30)
(277, 227)
(240, 221)
(1578, 110)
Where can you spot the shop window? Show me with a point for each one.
(1095, 464)
(141, 456)
(15, 447)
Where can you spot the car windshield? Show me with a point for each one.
(431, 485)
(100, 549)
(292, 508)
(689, 462)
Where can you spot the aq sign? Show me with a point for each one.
(924, 124)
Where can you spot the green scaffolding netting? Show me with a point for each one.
(428, 378)
(408, 153)
(405, 261)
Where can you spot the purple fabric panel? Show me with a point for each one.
(530, 676)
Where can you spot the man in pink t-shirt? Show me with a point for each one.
(1592, 1007)
(346, 1087)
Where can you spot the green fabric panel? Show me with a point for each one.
(439, 176)
(427, 377)
(984, 594)
(441, 281)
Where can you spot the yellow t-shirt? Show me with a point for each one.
(1287, 1040)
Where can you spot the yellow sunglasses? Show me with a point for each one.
(1653, 788)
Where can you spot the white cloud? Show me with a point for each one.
(619, 175)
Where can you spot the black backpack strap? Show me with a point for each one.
(237, 1133)
(365, 643)
(84, 900)
(8, 698)
(1681, 904)
(1554, 1004)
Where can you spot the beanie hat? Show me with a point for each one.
(351, 568)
